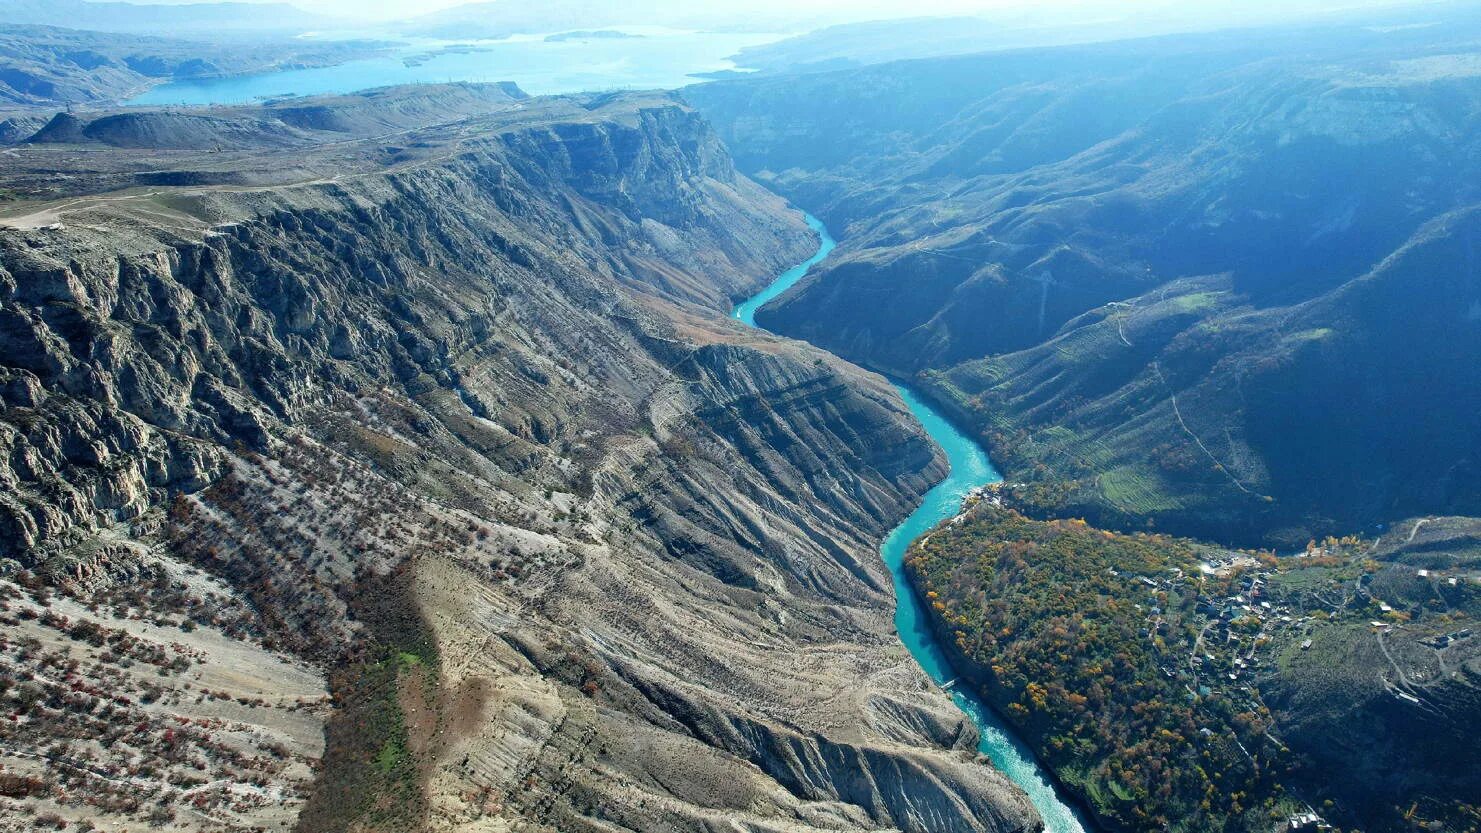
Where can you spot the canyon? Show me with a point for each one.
(1174, 280)
(443, 457)
(451, 421)
(1209, 301)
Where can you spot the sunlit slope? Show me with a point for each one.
(1268, 228)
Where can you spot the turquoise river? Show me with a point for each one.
(970, 469)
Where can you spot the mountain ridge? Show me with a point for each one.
(1085, 184)
(449, 428)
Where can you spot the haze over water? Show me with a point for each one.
(650, 58)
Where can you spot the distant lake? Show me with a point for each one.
(647, 58)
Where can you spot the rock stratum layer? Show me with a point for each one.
(1220, 284)
(453, 426)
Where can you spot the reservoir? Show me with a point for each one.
(746, 310)
(970, 468)
(628, 57)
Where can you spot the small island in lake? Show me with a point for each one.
(603, 34)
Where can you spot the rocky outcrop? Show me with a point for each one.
(1137, 272)
(142, 350)
(487, 393)
(17, 128)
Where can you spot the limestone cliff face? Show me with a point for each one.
(480, 405)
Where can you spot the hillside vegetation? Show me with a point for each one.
(1179, 686)
(1220, 284)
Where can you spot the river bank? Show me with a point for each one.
(970, 469)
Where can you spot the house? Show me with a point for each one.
(1307, 822)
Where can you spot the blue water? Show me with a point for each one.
(656, 59)
(746, 310)
(970, 468)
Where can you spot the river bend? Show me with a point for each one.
(970, 469)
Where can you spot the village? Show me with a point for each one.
(1217, 628)
(1231, 629)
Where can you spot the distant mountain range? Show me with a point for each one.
(1224, 282)
(216, 19)
(862, 42)
(52, 66)
(500, 19)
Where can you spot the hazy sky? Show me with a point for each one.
(869, 9)
(850, 8)
(404, 8)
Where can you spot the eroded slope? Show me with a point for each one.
(1136, 267)
(464, 429)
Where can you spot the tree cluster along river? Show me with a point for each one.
(970, 469)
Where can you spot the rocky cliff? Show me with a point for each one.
(459, 425)
(1076, 248)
